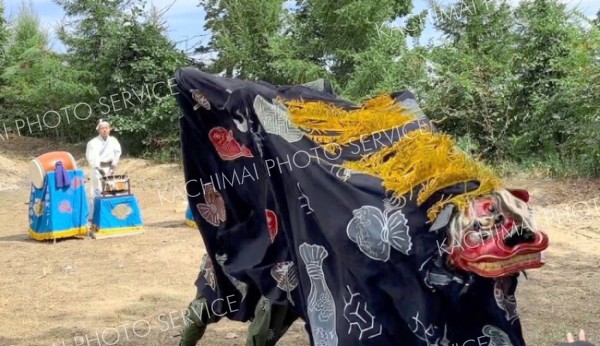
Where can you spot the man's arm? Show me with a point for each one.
(117, 152)
(91, 155)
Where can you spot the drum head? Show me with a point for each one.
(48, 160)
(36, 174)
(47, 163)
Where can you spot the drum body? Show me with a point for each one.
(42, 164)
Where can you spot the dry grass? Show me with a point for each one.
(77, 287)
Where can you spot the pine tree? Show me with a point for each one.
(127, 48)
(470, 79)
(36, 80)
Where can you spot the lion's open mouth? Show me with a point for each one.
(494, 258)
(509, 266)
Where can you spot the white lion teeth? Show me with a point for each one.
(519, 259)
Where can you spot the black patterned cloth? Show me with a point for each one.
(281, 218)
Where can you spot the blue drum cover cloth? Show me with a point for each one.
(116, 215)
(287, 226)
(189, 218)
(58, 212)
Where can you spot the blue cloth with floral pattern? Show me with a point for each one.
(58, 212)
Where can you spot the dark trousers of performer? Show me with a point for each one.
(268, 326)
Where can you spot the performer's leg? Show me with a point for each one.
(95, 190)
(200, 317)
(269, 324)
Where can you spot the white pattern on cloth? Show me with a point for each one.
(321, 306)
(357, 314)
(286, 275)
(375, 232)
(505, 301)
(497, 337)
(275, 119)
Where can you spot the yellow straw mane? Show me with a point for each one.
(318, 119)
(429, 161)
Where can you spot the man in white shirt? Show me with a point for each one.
(102, 153)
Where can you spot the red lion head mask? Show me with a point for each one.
(495, 236)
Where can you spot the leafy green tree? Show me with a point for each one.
(519, 82)
(3, 34)
(387, 65)
(37, 83)
(241, 30)
(312, 39)
(134, 62)
(576, 108)
(338, 36)
(147, 58)
(88, 28)
(470, 77)
(546, 56)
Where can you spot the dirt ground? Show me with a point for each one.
(114, 289)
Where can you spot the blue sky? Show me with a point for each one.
(185, 20)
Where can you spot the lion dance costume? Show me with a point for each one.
(362, 220)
